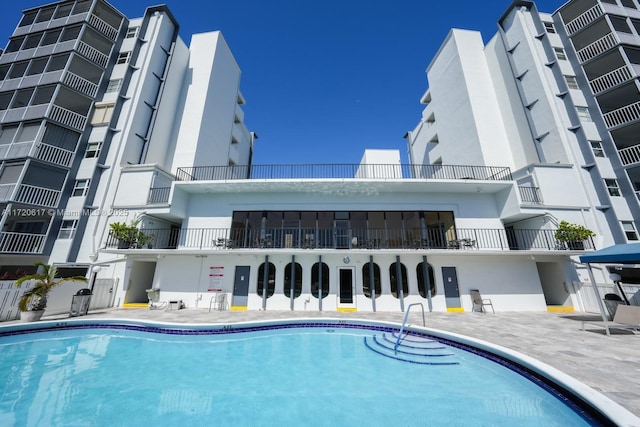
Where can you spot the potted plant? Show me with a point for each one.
(34, 301)
(129, 235)
(573, 235)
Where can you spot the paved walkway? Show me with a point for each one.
(608, 364)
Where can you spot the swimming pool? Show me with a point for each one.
(303, 372)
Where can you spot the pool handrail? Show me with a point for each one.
(404, 322)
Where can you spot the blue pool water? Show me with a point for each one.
(317, 376)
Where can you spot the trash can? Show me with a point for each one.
(80, 303)
(611, 301)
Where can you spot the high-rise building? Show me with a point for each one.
(84, 91)
(554, 97)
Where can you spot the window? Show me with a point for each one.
(596, 147)
(80, 188)
(612, 187)
(93, 150)
(549, 28)
(114, 85)
(234, 140)
(572, 83)
(18, 70)
(297, 287)
(123, 58)
(102, 114)
(5, 99)
(33, 40)
(43, 95)
(560, 53)
(22, 98)
(70, 33)
(366, 280)
(393, 278)
(271, 279)
(4, 69)
(57, 62)
(630, 230)
(132, 32)
(51, 37)
(63, 10)
(28, 18)
(68, 229)
(422, 285)
(316, 270)
(37, 66)
(583, 114)
(14, 44)
(45, 14)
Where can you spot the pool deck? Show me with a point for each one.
(608, 364)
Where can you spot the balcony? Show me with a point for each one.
(67, 117)
(343, 171)
(630, 155)
(622, 116)
(530, 195)
(21, 243)
(159, 195)
(610, 80)
(41, 151)
(584, 19)
(347, 238)
(103, 27)
(80, 84)
(29, 194)
(598, 47)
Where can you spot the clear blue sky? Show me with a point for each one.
(325, 79)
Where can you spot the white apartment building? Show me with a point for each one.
(497, 161)
(85, 91)
(553, 97)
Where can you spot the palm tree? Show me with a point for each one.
(35, 299)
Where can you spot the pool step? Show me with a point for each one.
(412, 349)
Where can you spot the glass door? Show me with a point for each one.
(342, 233)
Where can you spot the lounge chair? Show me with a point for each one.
(627, 317)
(480, 302)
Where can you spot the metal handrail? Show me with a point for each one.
(404, 322)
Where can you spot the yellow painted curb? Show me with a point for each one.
(455, 309)
(560, 309)
(238, 308)
(347, 310)
(135, 305)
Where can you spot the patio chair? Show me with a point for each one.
(479, 302)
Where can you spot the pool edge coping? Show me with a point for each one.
(612, 410)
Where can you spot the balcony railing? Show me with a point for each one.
(630, 155)
(80, 84)
(39, 196)
(611, 79)
(343, 171)
(46, 152)
(92, 54)
(598, 47)
(68, 117)
(158, 195)
(530, 195)
(21, 243)
(104, 27)
(627, 114)
(347, 238)
(584, 19)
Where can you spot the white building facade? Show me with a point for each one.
(165, 149)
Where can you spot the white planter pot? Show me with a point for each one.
(31, 316)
